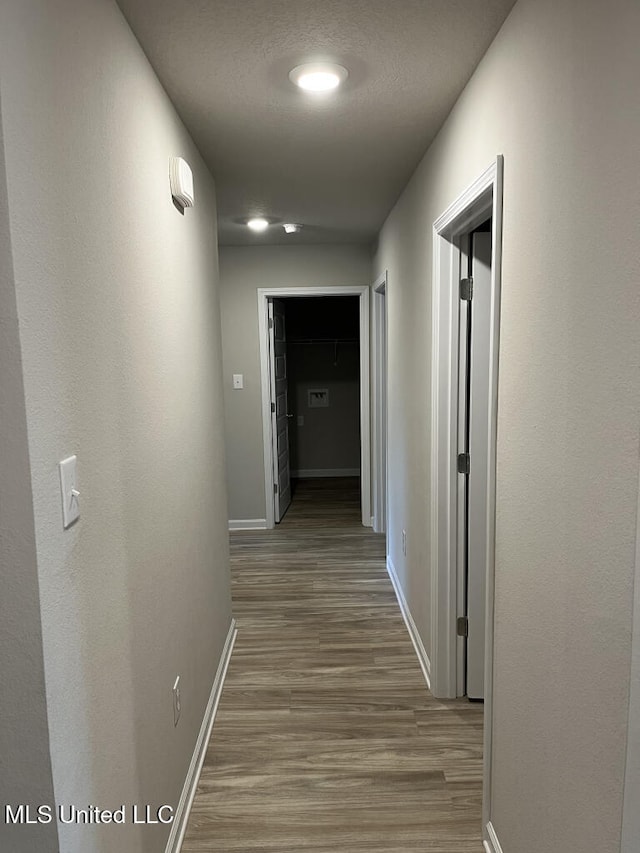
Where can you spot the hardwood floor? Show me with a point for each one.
(326, 738)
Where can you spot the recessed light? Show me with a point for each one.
(258, 224)
(291, 228)
(318, 76)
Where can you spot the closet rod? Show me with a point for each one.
(323, 341)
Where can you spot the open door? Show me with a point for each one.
(279, 408)
(473, 441)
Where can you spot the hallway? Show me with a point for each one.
(326, 738)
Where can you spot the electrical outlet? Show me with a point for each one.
(176, 701)
(404, 542)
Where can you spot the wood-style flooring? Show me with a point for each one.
(326, 738)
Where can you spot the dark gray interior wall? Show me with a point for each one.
(323, 354)
(326, 442)
(328, 439)
(25, 763)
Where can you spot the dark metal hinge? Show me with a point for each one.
(270, 323)
(273, 407)
(275, 488)
(466, 289)
(463, 626)
(464, 463)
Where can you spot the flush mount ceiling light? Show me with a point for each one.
(291, 228)
(318, 76)
(258, 224)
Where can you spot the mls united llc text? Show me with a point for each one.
(27, 814)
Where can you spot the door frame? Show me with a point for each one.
(630, 814)
(266, 293)
(483, 198)
(379, 455)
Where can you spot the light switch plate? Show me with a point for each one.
(238, 381)
(177, 704)
(69, 491)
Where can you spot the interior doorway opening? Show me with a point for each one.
(314, 353)
(474, 323)
(323, 347)
(481, 201)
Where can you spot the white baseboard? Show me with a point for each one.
(314, 473)
(247, 524)
(421, 652)
(179, 826)
(492, 845)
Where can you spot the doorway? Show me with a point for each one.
(295, 408)
(474, 316)
(280, 415)
(452, 437)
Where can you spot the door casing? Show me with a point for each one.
(481, 200)
(264, 294)
(379, 456)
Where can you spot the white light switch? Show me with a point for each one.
(70, 493)
(238, 381)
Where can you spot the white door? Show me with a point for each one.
(475, 368)
(279, 408)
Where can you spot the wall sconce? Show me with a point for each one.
(181, 181)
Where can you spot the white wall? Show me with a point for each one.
(242, 271)
(117, 301)
(556, 95)
(25, 776)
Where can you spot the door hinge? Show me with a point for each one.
(466, 289)
(463, 626)
(275, 488)
(273, 407)
(270, 323)
(464, 463)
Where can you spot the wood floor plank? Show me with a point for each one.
(326, 738)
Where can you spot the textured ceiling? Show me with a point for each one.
(335, 164)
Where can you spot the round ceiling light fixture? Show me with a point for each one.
(258, 224)
(318, 77)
